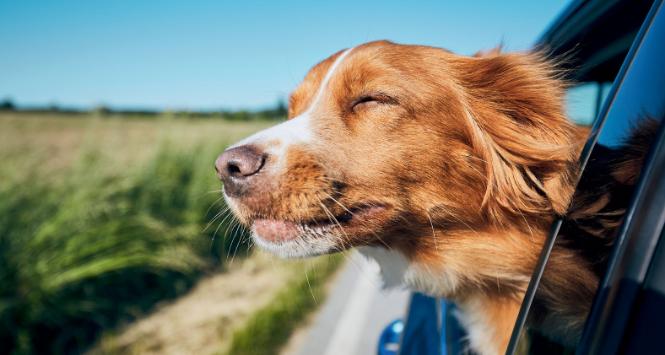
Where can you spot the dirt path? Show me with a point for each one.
(201, 322)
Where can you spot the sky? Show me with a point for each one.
(213, 54)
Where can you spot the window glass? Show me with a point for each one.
(583, 101)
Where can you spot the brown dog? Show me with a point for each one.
(447, 169)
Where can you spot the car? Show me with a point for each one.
(613, 52)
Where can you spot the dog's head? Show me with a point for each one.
(386, 142)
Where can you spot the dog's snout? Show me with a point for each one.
(236, 165)
(240, 162)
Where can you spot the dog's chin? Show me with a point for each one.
(289, 239)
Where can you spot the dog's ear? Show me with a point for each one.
(514, 108)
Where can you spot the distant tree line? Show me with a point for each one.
(277, 112)
(7, 105)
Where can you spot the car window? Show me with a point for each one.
(635, 108)
(583, 101)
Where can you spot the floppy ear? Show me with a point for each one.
(514, 107)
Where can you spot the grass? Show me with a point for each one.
(270, 327)
(100, 219)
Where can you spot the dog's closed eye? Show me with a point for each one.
(371, 100)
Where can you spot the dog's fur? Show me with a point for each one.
(447, 169)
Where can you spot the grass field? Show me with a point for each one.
(101, 218)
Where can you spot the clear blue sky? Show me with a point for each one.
(232, 54)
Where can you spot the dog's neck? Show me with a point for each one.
(486, 283)
(453, 264)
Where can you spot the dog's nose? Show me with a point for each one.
(236, 165)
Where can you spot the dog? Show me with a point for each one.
(448, 170)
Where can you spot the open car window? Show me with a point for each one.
(583, 101)
(632, 110)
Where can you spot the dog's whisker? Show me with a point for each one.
(338, 203)
(213, 205)
(436, 242)
(334, 220)
(239, 230)
(231, 225)
(453, 215)
(216, 191)
(311, 292)
(215, 218)
(228, 214)
(214, 234)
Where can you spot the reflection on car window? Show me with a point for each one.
(589, 231)
(583, 101)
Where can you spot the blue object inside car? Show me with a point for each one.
(430, 329)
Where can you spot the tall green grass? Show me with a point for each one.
(96, 245)
(268, 330)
